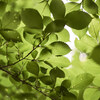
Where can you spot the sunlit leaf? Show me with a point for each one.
(44, 54)
(59, 61)
(72, 6)
(63, 36)
(91, 93)
(82, 81)
(59, 48)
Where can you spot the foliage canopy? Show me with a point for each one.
(33, 46)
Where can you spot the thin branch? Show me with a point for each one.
(20, 59)
(26, 55)
(24, 82)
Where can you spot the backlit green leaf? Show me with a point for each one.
(59, 61)
(59, 48)
(91, 94)
(44, 54)
(63, 36)
(82, 81)
(72, 6)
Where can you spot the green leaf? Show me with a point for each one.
(31, 18)
(46, 20)
(33, 68)
(86, 44)
(95, 55)
(81, 18)
(69, 96)
(57, 8)
(29, 37)
(82, 81)
(11, 20)
(31, 79)
(44, 54)
(25, 74)
(96, 81)
(34, 53)
(63, 36)
(55, 26)
(59, 48)
(11, 36)
(23, 96)
(91, 94)
(2, 7)
(43, 8)
(66, 83)
(46, 80)
(56, 72)
(94, 28)
(52, 38)
(90, 6)
(59, 61)
(98, 3)
(80, 33)
(72, 6)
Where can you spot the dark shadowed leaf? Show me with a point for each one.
(56, 72)
(32, 18)
(57, 8)
(69, 96)
(55, 26)
(81, 18)
(66, 83)
(46, 80)
(2, 7)
(95, 55)
(11, 20)
(33, 68)
(11, 36)
(31, 79)
(34, 53)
